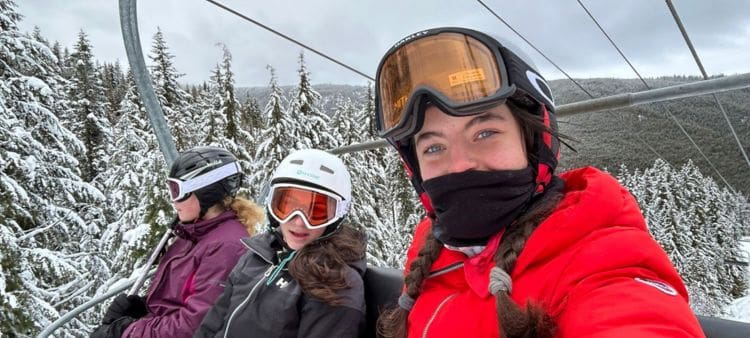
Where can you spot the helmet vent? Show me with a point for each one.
(297, 162)
(326, 169)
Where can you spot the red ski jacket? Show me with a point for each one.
(592, 265)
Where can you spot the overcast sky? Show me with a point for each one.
(358, 32)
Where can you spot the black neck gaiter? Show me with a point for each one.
(472, 206)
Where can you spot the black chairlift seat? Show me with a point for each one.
(383, 286)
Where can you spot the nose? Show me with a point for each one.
(461, 159)
(297, 221)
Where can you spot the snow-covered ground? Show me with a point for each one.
(740, 308)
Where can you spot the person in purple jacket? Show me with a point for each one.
(210, 222)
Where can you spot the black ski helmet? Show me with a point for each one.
(201, 160)
(524, 86)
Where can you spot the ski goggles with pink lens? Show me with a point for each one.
(180, 188)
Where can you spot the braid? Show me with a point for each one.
(533, 321)
(392, 322)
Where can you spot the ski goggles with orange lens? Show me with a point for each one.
(458, 69)
(180, 189)
(317, 208)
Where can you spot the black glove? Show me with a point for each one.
(125, 306)
(114, 329)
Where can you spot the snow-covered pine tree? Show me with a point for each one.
(251, 120)
(57, 51)
(173, 99)
(311, 127)
(378, 189)
(113, 81)
(213, 123)
(233, 138)
(697, 225)
(135, 191)
(47, 258)
(89, 110)
(197, 109)
(342, 123)
(275, 140)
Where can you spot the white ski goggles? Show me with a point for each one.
(180, 189)
(317, 208)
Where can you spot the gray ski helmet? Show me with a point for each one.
(200, 161)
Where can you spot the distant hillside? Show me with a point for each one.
(609, 139)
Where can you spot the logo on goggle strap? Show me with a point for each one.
(310, 175)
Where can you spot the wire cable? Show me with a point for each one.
(669, 113)
(658, 155)
(705, 76)
(562, 71)
(536, 49)
(246, 18)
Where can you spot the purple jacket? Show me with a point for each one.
(190, 277)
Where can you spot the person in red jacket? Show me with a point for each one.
(191, 274)
(508, 248)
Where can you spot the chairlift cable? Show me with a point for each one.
(658, 155)
(217, 4)
(536, 49)
(705, 76)
(666, 109)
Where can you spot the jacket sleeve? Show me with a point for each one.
(320, 320)
(217, 261)
(622, 284)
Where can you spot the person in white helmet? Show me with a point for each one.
(303, 277)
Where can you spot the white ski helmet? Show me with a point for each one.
(316, 169)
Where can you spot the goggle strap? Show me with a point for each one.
(342, 207)
(210, 177)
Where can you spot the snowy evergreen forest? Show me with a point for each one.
(82, 198)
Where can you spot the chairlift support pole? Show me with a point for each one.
(129, 26)
(87, 305)
(680, 91)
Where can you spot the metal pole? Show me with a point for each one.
(129, 26)
(85, 306)
(705, 77)
(685, 36)
(697, 88)
(139, 282)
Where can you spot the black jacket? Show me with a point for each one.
(250, 307)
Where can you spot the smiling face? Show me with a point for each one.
(488, 141)
(297, 235)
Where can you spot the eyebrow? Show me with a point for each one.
(486, 116)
